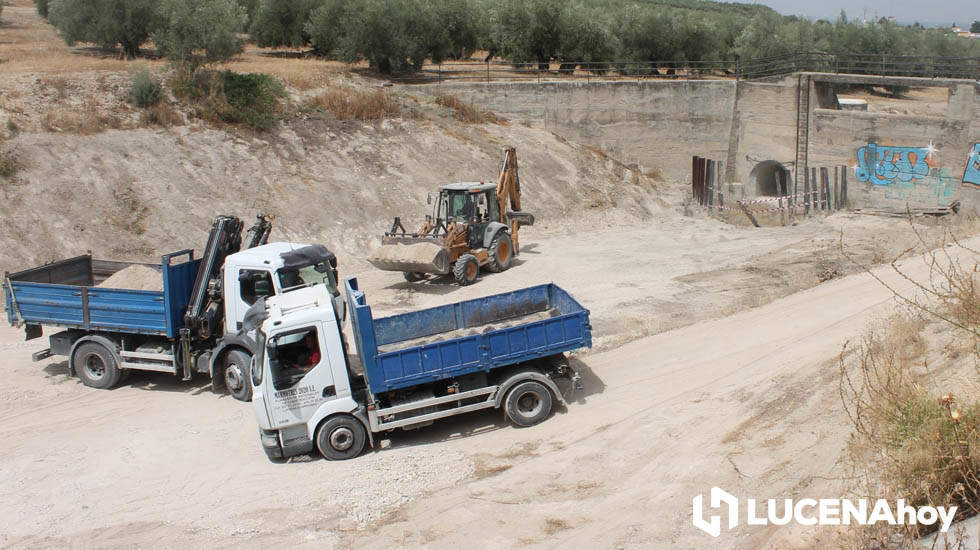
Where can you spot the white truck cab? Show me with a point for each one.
(300, 374)
(261, 272)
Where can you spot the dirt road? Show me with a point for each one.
(747, 402)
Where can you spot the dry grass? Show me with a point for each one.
(351, 104)
(162, 113)
(28, 44)
(913, 439)
(554, 525)
(467, 112)
(9, 164)
(88, 120)
(292, 66)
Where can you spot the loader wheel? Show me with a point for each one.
(466, 269)
(528, 403)
(413, 276)
(501, 252)
(96, 366)
(237, 375)
(341, 437)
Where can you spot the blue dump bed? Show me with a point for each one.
(64, 294)
(470, 336)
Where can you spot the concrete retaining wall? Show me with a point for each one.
(662, 124)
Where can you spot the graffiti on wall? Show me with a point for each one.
(972, 172)
(906, 173)
(886, 164)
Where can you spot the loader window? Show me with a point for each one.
(494, 209)
(255, 284)
(459, 206)
(482, 210)
(296, 354)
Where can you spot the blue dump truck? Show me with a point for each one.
(192, 325)
(502, 351)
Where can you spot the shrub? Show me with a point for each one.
(352, 104)
(250, 99)
(9, 165)
(105, 22)
(161, 114)
(42, 8)
(467, 112)
(199, 32)
(145, 90)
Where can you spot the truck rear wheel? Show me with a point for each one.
(341, 437)
(466, 270)
(96, 366)
(236, 375)
(528, 403)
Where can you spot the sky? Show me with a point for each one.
(927, 12)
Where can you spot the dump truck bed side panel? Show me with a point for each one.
(400, 368)
(62, 294)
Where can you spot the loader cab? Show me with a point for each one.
(472, 204)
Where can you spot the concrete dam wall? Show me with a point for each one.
(760, 128)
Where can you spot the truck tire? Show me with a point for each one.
(236, 374)
(341, 437)
(413, 276)
(466, 270)
(96, 366)
(528, 403)
(501, 252)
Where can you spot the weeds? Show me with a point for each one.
(86, 121)
(9, 164)
(351, 104)
(145, 91)
(910, 441)
(467, 112)
(249, 99)
(161, 114)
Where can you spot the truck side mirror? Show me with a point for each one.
(428, 198)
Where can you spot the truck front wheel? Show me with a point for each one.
(528, 403)
(236, 375)
(96, 366)
(341, 437)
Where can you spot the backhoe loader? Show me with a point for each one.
(470, 228)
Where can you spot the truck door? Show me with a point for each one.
(298, 378)
(242, 288)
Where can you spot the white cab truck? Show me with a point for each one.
(502, 351)
(193, 325)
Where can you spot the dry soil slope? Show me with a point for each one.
(137, 193)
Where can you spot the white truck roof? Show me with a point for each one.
(262, 254)
(298, 306)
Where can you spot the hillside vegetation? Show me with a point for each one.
(395, 35)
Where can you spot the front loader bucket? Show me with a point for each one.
(411, 255)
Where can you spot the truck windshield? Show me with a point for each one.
(259, 357)
(310, 274)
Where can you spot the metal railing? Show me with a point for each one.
(765, 67)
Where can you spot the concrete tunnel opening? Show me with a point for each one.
(771, 179)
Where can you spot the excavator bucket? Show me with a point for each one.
(411, 254)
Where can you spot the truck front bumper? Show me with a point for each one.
(270, 443)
